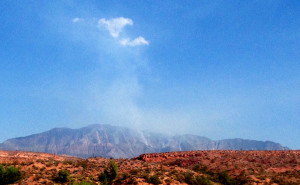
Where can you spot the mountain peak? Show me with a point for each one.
(122, 142)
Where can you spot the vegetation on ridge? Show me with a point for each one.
(192, 168)
(9, 175)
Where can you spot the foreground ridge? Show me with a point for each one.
(164, 156)
(183, 167)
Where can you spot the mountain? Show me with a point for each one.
(122, 142)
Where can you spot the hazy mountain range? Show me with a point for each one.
(122, 142)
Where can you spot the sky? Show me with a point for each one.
(215, 68)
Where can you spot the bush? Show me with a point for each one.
(202, 169)
(189, 178)
(277, 180)
(103, 177)
(135, 171)
(154, 179)
(180, 177)
(62, 176)
(146, 176)
(109, 174)
(82, 183)
(224, 178)
(113, 170)
(241, 180)
(202, 180)
(9, 175)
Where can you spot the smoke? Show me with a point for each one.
(116, 93)
(114, 86)
(111, 95)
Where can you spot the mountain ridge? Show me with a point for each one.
(122, 142)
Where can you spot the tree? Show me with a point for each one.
(9, 175)
(62, 176)
(113, 169)
(109, 174)
(103, 178)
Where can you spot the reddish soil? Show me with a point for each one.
(250, 167)
(278, 161)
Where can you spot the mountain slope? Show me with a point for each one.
(121, 142)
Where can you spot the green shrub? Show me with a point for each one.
(241, 180)
(200, 180)
(146, 176)
(179, 177)
(189, 178)
(62, 176)
(103, 178)
(135, 171)
(83, 164)
(82, 183)
(224, 178)
(154, 179)
(9, 175)
(202, 169)
(113, 170)
(109, 174)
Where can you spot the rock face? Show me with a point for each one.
(121, 142)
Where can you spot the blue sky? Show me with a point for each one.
(221, 69)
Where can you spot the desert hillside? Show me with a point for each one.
(196, 167)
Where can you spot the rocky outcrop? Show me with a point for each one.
(291, 155)
(120, 142)
(8, 157)
(165, 156)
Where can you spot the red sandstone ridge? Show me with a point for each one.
(160, 157)
(253, 164)
(23, 156)
(229, 159)
(275, 155)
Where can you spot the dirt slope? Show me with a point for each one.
(243, 167)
